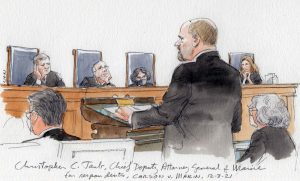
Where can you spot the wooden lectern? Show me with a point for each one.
(106, 126)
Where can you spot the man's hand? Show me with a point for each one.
(123, 113)
(37, 74)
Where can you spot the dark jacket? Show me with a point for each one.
(275, 141)
(57, 134)
(60, 135)
(201, 108)
(91, 82)
(254, 77)
(52, 80)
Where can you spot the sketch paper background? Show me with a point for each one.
(269, 29)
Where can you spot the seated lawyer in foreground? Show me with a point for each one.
(202, 106)
(42, 74)
(46, 111)
(270, 117)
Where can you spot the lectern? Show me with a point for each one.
(99, 111)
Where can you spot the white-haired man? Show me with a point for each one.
(269, 115)
(101, 76)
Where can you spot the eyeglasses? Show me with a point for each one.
(251, 110)
(28, 114)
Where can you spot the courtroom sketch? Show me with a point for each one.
(202, 118)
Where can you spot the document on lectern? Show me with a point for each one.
(134, 108)
(110, 109)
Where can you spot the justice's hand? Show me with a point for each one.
(38, 75)
(123, 113)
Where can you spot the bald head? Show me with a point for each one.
(203, 28)
(196, 36)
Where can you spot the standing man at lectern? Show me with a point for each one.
(202, 106)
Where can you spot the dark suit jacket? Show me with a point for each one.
(60, 135)
(52, 80)
(254, 77)
(201, 108)
(275, 141)
(57, 134)
(91, 82)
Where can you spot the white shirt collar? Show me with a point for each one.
(198, 55)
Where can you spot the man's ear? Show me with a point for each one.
(34, 117)
(196, 41)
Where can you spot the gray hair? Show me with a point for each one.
(39, 57)
(271, 110)
(50, 105)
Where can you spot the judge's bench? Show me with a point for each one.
(87, 124)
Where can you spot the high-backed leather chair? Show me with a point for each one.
(83, 64)
(19, 64)
(142, 61)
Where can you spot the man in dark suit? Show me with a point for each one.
(202, 106)
(46, 112)
(101, 77)
(42, 74)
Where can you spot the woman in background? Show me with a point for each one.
(249, 71)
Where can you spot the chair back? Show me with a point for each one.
(19, 64)
(137, 60)
(83, 64)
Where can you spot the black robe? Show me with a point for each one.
(91, 82)
(52, 80)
